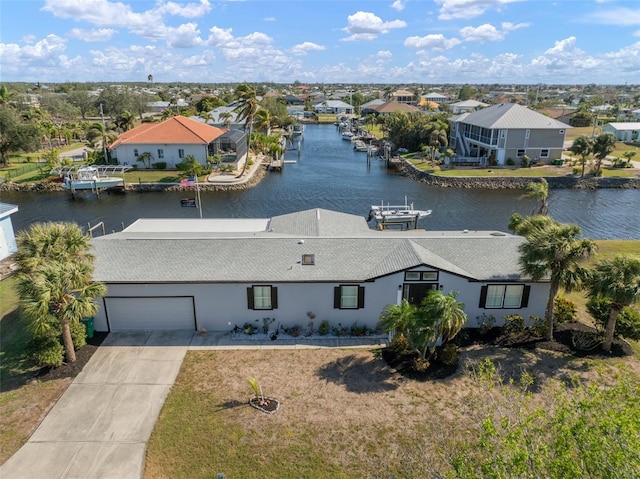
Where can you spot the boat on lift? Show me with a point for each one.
(396, 215)
(91, 178)
(347, 135)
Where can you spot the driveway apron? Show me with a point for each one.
(100, 426)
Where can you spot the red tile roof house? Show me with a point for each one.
(172, 139)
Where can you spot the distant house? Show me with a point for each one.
(623, 131)
(370, 106)
(392, 106)
(169, 141)
(636, 113)
(293, 100)
(8, 244)
(337, 107)
(160, 106)
(507, 131)
(404, 96)
(171, 274)
(437, 97)
(222, 117)
(467, 106)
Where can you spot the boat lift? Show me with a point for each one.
(102, 180)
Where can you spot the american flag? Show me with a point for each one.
(188, 182)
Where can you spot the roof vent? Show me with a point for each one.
(300, 241)
(308, 259)
(465, 231)
(498, 233)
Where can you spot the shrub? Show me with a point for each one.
(510, 162)
(399, 344)
(449, 354)
(358, 330)
(513, 323)
(539, 326)
(485, 323)
(324, 328)
(576, 170)
(526, 161)
(160, 165)
(421, 365)
(46, 350)
(78, 334)
(627, 324)
(564, 310)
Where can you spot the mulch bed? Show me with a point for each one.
(565, 341)
(71, 370)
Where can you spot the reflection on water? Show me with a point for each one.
(329, 174)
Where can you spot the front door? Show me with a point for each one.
(414, 293)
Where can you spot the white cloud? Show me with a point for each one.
(100, 35)
(367, 26)
(398, 5)
(615, 16)
(510, 27)
(184, 36)
(384, 54)
(436, 41)
(301, 49)
(453, 9)
(190, 10)
(269, 19)
(568, 45)
(42, 52)
(636, 33)
(483, 33)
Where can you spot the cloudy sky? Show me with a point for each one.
(379, 41)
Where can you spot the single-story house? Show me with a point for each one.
(392, 106)
(466, 106)
(437, 97)
(369, 107)
(623, 131)
(170, 274)
(168, 141)
(160, 106)
(337, 107)
(8, 244)
(506, 131)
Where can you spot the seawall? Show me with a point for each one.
(513, 182)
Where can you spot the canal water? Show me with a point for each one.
(329, 174)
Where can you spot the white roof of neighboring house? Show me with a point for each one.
(345, 249)
(470, 104)
(509, 115)
(631, 126)
(332, 104)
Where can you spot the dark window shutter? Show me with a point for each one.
(360, 296)
(336, 296)
(483, 296)
(525, 297)
(274, 297)
(250, 297)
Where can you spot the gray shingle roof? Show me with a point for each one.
(345, 250)
(509, 115)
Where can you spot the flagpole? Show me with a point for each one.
(198, 195)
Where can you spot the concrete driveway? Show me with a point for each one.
(100, 426)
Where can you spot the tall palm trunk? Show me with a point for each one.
(553, 292)
(609, 330)
(67, 340)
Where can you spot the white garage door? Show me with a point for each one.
(157, 313)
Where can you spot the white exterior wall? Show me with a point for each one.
(218, 307)
(125, 153)
(8, 244)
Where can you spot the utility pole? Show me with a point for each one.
(104, 130)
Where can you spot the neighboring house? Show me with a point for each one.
(392, 106)
(168, 141)
(635, 113)
(623, 131)
(369, 107)
(467, 106)
(8, 244)
(404, 96)
(560, 113)
(437, 97)
(222, 117)
(293, 100)
(160, 106)
(216, 273)
(507, 131)
(337, 107)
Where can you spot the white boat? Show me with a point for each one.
(360, 145)
(347, 135)
(385, 215)
(89, 178)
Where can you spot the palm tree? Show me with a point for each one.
(225, 116)
(618, 280)
(247, 108)
(100, 133)
(582, 146)
(438, 139)
(125, 120)
(602, 146)
(55, 278)
(553, 250)
(262, 122)
(629, 156)
(398, 317)
(539, 190)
